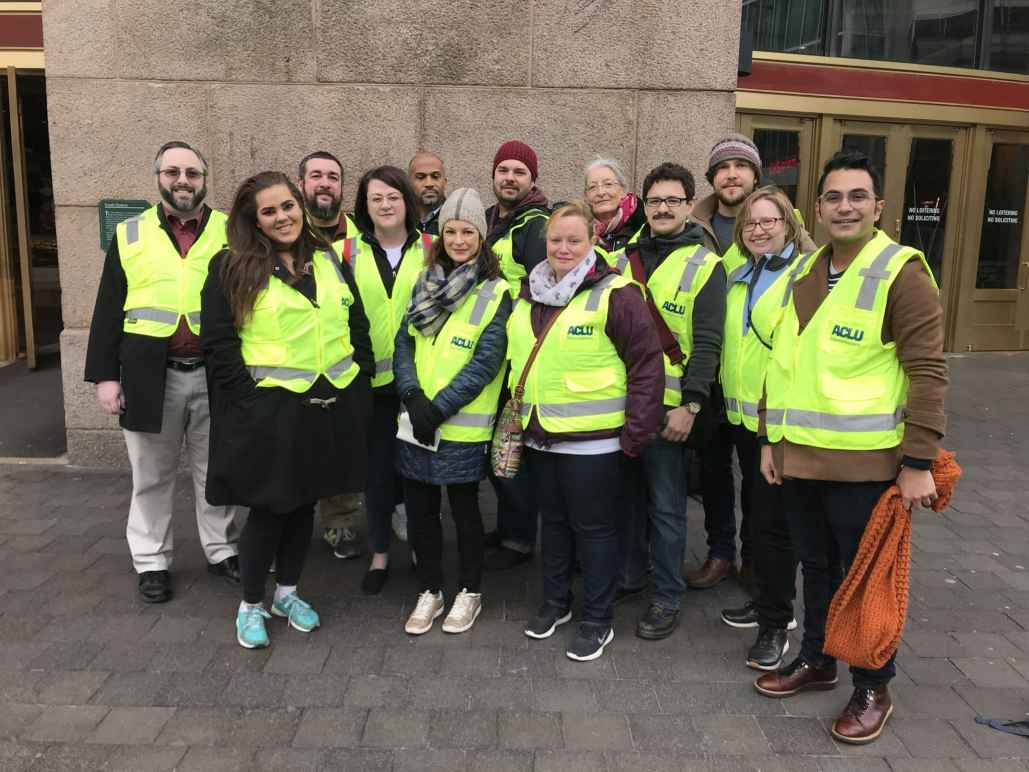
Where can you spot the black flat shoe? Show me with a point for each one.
(228, 569)
(374, 580)
(155, 586)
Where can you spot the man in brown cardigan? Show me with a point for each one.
(829, 492)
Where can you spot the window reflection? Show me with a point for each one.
(1003, 217)
(926, 189)
(780, 153)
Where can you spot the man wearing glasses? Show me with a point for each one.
(854, 400)
(685, 286)
(145, 358)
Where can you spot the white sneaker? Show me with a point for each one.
(425, 612)
(399, 522)
(464, 612)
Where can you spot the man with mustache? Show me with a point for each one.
(685, 286)
(429, 183)
(516, 234)
(320, 179)
(145, 358)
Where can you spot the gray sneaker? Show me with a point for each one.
(590, 641)
(547, 619)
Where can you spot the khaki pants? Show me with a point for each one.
(155, 464)
(341, 511)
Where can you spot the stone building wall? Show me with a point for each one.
(256, 84)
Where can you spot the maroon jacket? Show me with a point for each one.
(631, 329)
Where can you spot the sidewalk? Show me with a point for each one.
(91, 678)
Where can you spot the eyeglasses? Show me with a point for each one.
(765, 223)
(607, 187)
(673, 202)
(392, 199)
(856, 197)
(174, 172)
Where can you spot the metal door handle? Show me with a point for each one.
(1025, 276)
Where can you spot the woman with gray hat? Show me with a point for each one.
(449, 362)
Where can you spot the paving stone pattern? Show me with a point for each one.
(91, 678)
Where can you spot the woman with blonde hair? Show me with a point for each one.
(771, 239)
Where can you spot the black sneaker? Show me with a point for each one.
(590, 641)
(547, 619)
(747, 617)
(491, 540)
(741, 617)
(504, 558)
(657, 623)
(768, 650)
(155, 586)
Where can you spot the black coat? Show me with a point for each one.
(138, 361)
(267, 448)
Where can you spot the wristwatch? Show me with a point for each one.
(693, 407)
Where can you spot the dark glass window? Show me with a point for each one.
(780, 153)
(926, 191)
(1003, 217)
(792, 26)
(1007, 47)
(940, 32)
(874, 146)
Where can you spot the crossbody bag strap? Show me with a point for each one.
(669, 344)
(520, 388)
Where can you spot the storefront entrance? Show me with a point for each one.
(958, 193)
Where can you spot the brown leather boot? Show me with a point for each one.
(865, 716)
(796, 677)
(713, 572)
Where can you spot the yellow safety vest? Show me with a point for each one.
(745, 354)
(288, 341)
(674, 286)
(836, 384)
(385, 312)
(734, 258)
(618, 259)
(162, 285)
(578, 382)
(503, 248)
(440, 358)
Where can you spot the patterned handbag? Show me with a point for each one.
(506, 449)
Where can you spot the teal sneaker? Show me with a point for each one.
(250, 630)
(300, 614)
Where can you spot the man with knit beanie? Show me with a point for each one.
(516, 224)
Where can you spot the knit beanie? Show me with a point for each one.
(464, 204)
(513, 150)
(735, 146)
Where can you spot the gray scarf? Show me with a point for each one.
(436, 295)
(545, 288)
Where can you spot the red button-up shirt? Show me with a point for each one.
(183, 343)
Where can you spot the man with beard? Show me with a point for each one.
(320, 179)
(429, 183)
(145, 358)
(516, 234)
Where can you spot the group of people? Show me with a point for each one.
(315, 360)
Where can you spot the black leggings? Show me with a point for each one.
(426, 532)
(268, 536)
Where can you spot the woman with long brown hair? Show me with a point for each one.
(290, 361)
(448, 363)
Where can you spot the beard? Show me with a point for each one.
(194, 201)
(510, 196)
(732, 200)
(429, 197)
(329, 212)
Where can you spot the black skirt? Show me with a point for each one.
(276, 451)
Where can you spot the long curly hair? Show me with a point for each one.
(247, 267)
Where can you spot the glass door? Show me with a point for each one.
(786, 144)
(994, 313)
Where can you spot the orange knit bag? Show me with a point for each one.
(866, 617)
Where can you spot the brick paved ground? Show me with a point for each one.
(90, 678)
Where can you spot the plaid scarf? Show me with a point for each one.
(436, 295)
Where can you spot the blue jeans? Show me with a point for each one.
(579, 499)
(666, 465)
(826, 521)
(516, 511)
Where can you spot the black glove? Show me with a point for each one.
(425, 417)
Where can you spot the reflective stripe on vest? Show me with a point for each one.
(576, 409)
(503, 248)
(288, 373)
(162, 285)
(837, 384)
(440, 358)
